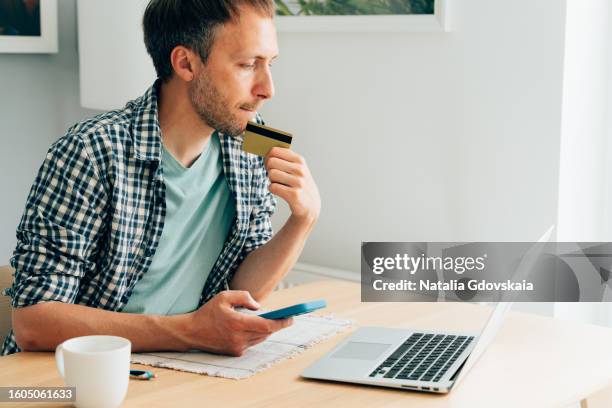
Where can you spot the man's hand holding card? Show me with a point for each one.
(290, 177)
(291, 180)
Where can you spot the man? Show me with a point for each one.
(141, 219)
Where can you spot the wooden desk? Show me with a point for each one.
(533, 362)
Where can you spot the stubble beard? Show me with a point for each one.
(210, 105)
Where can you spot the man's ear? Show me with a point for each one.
(184, 63)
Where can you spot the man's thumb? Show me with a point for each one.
(243, 298)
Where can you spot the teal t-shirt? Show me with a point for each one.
(200, 211)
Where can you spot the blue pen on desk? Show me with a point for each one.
(142, 375)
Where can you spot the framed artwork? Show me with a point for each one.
(361, 15)
(28, 26)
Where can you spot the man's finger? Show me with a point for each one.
(287, 322)
(278, 176)
(241, 298)
(284, 165)
(256, 340)
(257, 324)
(265, 326)
(284, 192)
(286, 154)
(279, 324)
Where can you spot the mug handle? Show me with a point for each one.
(59, 359)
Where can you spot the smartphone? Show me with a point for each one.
(294, 310)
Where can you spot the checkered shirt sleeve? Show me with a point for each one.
(57, 235)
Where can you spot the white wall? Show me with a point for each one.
(38, 102)
(584, 133)
(445, 136)
(584, 186)
(114, 64)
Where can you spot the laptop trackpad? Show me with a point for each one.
(361, 350)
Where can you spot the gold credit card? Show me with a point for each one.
(259, 139)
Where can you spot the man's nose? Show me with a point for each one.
(265, 86)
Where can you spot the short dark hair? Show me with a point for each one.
(190, 23)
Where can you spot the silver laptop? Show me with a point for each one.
(414, 359)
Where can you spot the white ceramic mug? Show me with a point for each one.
(99, 368)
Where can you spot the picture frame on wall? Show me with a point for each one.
(361, 15)
(28, 26)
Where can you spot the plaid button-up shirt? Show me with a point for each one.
(95, 214)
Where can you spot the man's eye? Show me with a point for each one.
(248, 66)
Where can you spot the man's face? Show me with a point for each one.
(236, 79)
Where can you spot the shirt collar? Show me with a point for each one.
(145, 125)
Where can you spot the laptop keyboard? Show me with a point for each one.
(424, 357)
